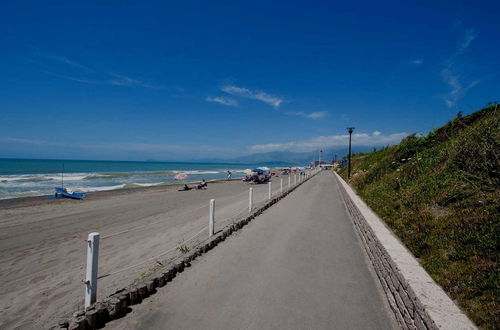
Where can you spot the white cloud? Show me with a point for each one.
(223, 100)
(311, 115)
(417, 61)
(450, 75)
(275, 101)
(358, 139)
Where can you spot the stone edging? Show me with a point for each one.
(117, 305)
(416, 300)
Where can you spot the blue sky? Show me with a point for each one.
(177, 80)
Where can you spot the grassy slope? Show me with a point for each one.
(441, 195)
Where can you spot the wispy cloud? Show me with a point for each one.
(80, 80)
(126, 146)
(121, 80)
(358, 139)
(275, 101)
(222, 100)
(310, 115)
(85, 74)
(457, 89)
(451, 75)
(417, 61)
(65, 60)
(20, 140)
(469, 36)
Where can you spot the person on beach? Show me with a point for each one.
(229, 175)
(186, 187)
(202, 185)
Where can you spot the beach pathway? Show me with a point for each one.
(299, 265)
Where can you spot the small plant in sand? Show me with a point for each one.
(183, 248)
(152, 269)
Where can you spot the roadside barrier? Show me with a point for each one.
(95, 313)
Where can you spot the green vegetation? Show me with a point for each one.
(441, 195)
(182, 247)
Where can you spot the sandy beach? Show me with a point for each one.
(42, 242)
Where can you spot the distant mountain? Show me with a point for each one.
(291, 158)
(294, 158)
(287, 158)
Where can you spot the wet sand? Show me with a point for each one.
(42, 242)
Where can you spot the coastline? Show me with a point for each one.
(16, 202)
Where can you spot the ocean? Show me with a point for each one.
(38, 177)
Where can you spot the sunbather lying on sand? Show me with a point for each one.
(202, 185)
(186, 187)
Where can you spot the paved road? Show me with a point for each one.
(299, 265)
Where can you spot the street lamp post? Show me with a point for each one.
(349, 129)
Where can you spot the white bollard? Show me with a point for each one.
(211, 218)
(270, 190)
(294, 179)
(289, 179)
(92, 258)
(281, 185)
(250, 200)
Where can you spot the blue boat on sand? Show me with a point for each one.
(63, 192)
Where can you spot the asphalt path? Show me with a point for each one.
(299, 265)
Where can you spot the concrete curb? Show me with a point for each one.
(118, 304)
(416, 300)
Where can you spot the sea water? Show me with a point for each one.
(35, 177)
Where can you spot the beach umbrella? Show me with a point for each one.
(258, 170)
(248, 171)
(181, 176)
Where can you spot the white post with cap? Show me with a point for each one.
(91, 279)
(211, 218)
(250, 200)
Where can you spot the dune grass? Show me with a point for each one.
(440, 194)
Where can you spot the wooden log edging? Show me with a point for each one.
(416, 300)
(118, 304)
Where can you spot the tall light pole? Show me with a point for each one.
(349, 129)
